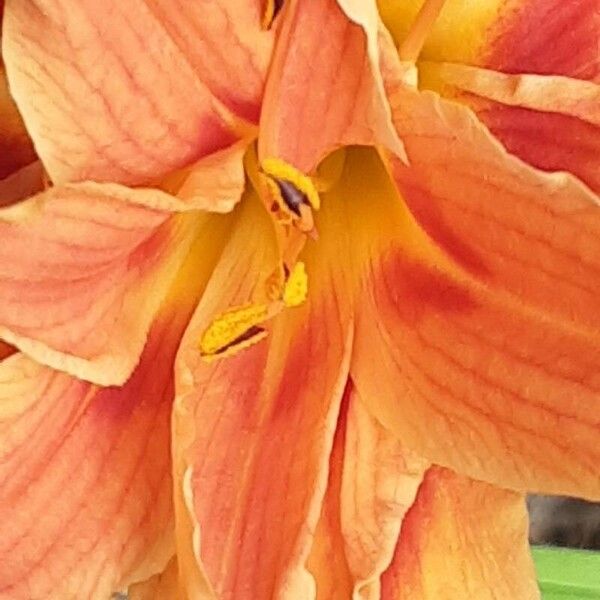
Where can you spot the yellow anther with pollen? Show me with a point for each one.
(296, 286)
(282, 171)
(234, 329)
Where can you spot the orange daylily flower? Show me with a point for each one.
(305, 299)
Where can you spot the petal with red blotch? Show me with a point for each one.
(21, 184)
(551, 122)
(253, 432)
(373, 481)
(477, 321)
(128, 92)
(6, 350)
(545, 37)
(83, 269)
(322, 96)
(462, 539)
(162, 586)
(16, 149)
(86, 505)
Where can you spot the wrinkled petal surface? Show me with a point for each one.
(83, 269)
(322, 96)
(477, 326)
(253, 432)
(462, 539)
(552, 122)
(130, 91)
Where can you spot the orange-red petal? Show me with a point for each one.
(373, 481)
(21, 184)
(128, 92)
(477, 326)
(162, 586)
(83, 269)
(85, 500)
(253, 432)
(321, 96)
(16, 149)
(462, 539)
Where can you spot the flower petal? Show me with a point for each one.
(372, 483)
(545, 37)
(477, 326)
(322, 96)
(86, 505)
(163, 586)
(85, 500)
(21, 184)
(462, 539)
(551, 122)
(16, 149)
(253, 432)
(83, 269)
(215, 183)
(105, 88)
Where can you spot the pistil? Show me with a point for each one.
(412, 45)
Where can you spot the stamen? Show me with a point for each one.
(296, 286)
(240, 327)
(231, 326)
(415, 40)
(272, 9)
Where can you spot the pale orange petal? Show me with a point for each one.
(372, 483)
(83, 269)
(162, 586)
(477, 326)
(85, 500)
(552, 122)
(86, 496)
(253, 432)
(215, 183)
(462, 539)
(321, 96)
(130, 91)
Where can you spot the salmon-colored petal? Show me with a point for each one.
(549, 121)
(21, 184)
(83, 269)
(545, 37)
(86, 503)
(215, 183)
(16, 149)
(373, 481)
(130, 91)
(253, 432)
(85, 498)
(322, 96)
(162, 586)
(462, 539)
(477, 326)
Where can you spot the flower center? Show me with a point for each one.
(290, 197)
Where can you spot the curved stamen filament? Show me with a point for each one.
(415, 40)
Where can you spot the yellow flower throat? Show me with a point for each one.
(290, 197)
